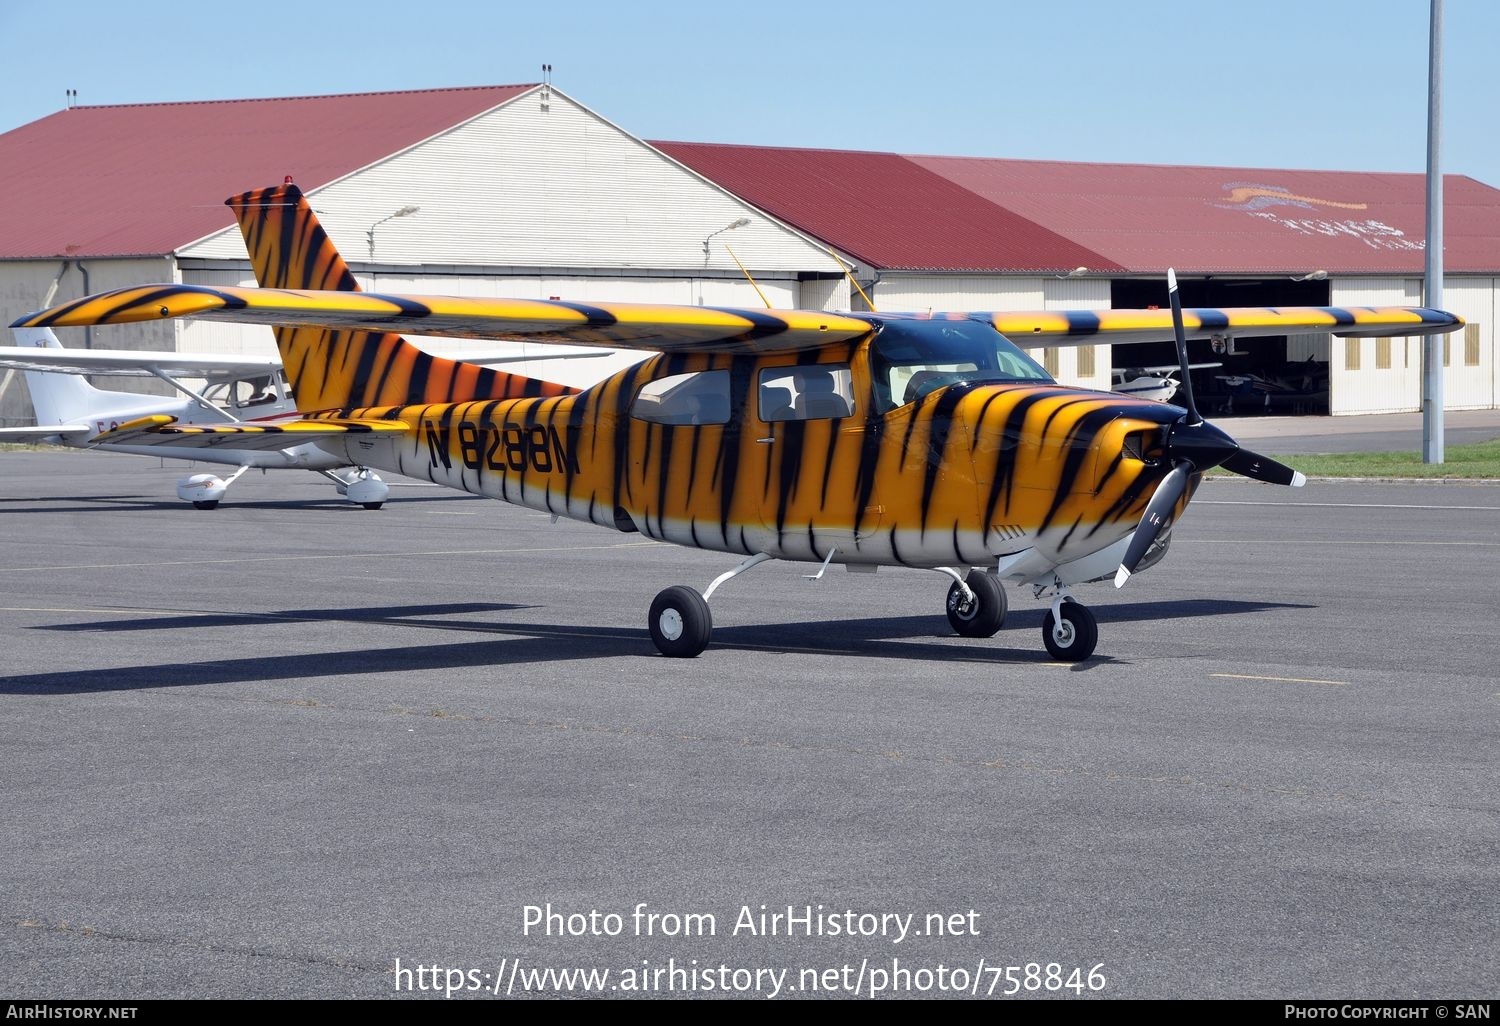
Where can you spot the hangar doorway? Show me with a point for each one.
(1277, 375)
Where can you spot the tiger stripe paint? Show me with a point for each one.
(1037, 477)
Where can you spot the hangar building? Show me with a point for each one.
(522, 191)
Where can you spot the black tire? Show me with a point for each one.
(372, 505)
(206, 504)
(680, 622)
(982, 617)
(1081, 633)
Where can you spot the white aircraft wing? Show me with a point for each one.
(134, 362)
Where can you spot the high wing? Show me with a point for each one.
(626, 325)
(160, 429)
(693, 328)
(1121, 327)
(133, 362)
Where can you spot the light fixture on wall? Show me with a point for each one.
(727, 228)
(370, 232)
(1318, 275)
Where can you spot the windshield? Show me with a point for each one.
(908, 359)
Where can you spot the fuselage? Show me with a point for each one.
(892, 449)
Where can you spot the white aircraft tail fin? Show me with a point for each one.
(63, 398)
(58, 398)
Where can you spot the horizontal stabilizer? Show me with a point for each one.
(168, 431)
(41, 433)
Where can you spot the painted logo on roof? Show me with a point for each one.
(1254, 196)
(1257, 199)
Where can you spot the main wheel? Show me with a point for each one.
(1073, 640)
(981, 617)
(680, 622)
(372, 505)
(206, 504)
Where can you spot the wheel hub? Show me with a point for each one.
(670, 623)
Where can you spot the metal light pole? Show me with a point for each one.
(1432, 345)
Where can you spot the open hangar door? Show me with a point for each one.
(1263, 375)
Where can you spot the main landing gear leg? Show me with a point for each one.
(360, 485)
(1069, 629)
(976, 604)
(680, 621)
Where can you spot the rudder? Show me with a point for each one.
(340, 369)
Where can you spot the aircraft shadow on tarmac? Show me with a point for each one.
(923, 638)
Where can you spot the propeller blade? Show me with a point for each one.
(1263, 468)
(1158, 512)
(1185, 388)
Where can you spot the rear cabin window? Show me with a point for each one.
(701, 397)
(823, 391)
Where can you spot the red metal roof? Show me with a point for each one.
(996, 215)
(146, 179)
(885, 209)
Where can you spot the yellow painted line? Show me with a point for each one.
(1282, 680)
(308, 558)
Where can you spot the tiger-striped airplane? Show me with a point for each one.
(926, 441)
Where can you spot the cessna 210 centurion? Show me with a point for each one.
(926, 441)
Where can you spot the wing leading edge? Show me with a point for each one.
(691, 328)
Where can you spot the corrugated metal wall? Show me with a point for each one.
(1375, 376)
(1356, 383)
(521, 186)
(1469, 377)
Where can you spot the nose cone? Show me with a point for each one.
(1201, 444)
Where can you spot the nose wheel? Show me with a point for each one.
(1070, 631)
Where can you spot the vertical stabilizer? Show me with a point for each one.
(344, 370)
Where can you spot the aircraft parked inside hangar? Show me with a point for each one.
(864, 439)
(1151, 382)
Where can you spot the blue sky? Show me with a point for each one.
(1309, 84)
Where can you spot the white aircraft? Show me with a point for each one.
(239, 389)
(1151, 382)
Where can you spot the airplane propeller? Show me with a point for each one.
(1193, 445)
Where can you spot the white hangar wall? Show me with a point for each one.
(1377, 375)
(538, 198)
